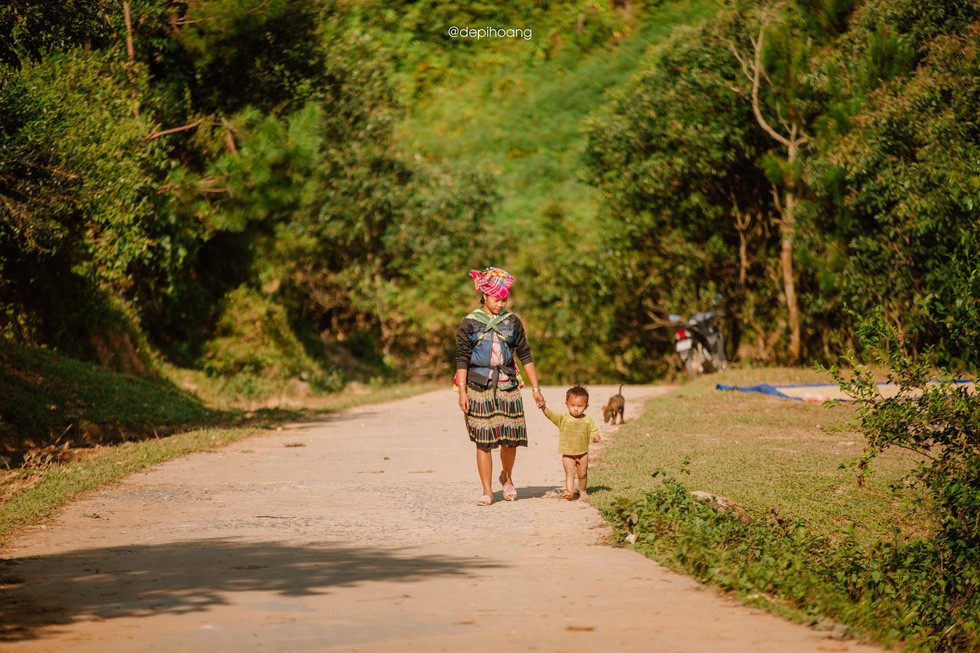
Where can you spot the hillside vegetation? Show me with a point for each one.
(799, 535)
(334, 169)
(251, 198)
(50, 400)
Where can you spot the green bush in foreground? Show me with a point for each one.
(920, 592)
(938, 421)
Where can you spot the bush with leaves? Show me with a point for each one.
(939, 421)
(917, 593)
(76, 198)
(255, 346)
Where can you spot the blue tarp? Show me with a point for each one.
(764, 388)
(775, 390)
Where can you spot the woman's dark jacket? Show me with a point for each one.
(473, 353)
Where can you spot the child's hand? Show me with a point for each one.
(596, 438)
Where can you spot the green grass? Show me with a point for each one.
(761, 452)
(46, 399)
(522, 115)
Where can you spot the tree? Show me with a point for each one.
(687, 201)
(790, 133)
(895, 175)
(75, 197)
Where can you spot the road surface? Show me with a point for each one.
(360, 532)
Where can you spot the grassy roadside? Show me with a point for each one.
(67, 427)
(854, 560)
(49, 400)
(761, 452)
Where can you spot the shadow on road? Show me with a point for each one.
(544, 491)
(185, 577)
(531, 492)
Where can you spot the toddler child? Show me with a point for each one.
(575, 429)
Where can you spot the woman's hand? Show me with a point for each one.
(538, 397)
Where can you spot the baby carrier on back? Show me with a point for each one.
(481, 371)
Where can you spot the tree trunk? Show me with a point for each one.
(742, 223)
(787, 228)
(131, 55)
(752, 67)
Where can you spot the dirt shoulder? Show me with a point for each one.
(360, 532)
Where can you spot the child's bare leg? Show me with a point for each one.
(583, 475)
(569, 463)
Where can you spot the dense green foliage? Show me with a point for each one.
(238, 149)
(680, 162)
(76, 189)
(882, 98)
(345, 163)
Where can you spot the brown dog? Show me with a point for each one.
(615, 407)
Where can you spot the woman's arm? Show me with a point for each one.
(522, 351)
(520, 347)
(532, 377)
(464, 346)
(464, 399)
(463, 352)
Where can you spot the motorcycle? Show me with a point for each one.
(700, 342)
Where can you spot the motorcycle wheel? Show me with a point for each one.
(695, 361)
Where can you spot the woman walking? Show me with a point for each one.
(488, 343)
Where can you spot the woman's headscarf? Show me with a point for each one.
(492, 281)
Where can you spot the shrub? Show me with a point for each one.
(920, 592)
(255, 345)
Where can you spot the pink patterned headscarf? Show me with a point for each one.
(493, 281)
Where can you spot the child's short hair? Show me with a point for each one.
(577, 391)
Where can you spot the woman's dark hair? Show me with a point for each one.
(577, 391)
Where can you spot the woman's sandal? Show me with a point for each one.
(510, 492)
(485, 500)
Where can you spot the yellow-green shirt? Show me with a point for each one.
(574, 433)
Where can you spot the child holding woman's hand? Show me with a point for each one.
(575, 430)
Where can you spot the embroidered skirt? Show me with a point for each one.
(496, 417)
